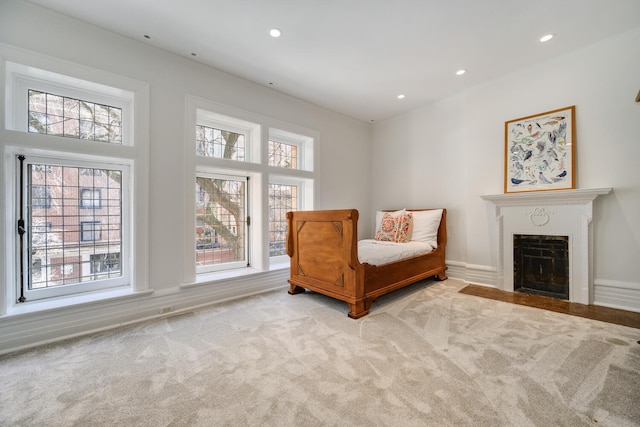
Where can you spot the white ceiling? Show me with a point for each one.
(356, 56)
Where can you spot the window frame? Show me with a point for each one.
(23, 78)
(226, 129)
(50, 74)
(304, 144)
(80, 120)
(300, 203)
(203, 269)
(251, 132)
(256, 168)
(56, 159)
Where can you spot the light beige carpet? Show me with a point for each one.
(425, 355)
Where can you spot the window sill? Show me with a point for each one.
(221, 275)
(280, 264)
(207, 278)
(51, 304)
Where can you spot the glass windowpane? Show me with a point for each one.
(37, 101)
(222, 144)
(282, 199)
(73, 118)
(55, 105)
(64, 240)
(283, 155)
(221, 221)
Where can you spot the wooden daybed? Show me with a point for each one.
(323, 247)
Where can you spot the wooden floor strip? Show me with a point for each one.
(595, 312)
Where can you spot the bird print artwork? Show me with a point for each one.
(540, 151)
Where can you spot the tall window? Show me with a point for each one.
(282, 199)
(248, 175)
(74, 204)
(221, 220)
(290, 152)
(65, 237)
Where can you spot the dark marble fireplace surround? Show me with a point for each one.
(541, 265)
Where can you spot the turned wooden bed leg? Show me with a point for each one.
(359, 308)
(293, 290)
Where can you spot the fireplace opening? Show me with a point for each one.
(541, 265)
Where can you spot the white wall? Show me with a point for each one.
(344, 166)
(451, 152)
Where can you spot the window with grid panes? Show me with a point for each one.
(277, 161)
(282, 199)
(57, 115)
(65, 237)
(218, 143)
(73, 206)
(283, 155)
(221, 222)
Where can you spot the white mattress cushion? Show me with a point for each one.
(376, 252)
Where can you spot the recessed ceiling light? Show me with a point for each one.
(275, 32)
(460, 72)
(401, 96)
(546, 38)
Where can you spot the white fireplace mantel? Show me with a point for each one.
(560, 213)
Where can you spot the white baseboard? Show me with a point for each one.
(456, 270)
(616, 294)
(471, 273)
(482, 275)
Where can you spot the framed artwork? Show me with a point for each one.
(539, 152)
